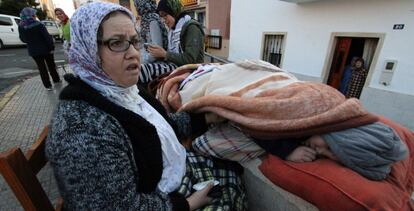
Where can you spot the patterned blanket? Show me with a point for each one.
(265, 101)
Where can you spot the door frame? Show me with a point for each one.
(332, 47)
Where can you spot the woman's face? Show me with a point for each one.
(317, 143)
(122, 67)
(168, 19)
(60, 15)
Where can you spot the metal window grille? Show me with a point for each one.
(272, 51)
(213, 42)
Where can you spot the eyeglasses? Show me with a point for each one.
(117, 45)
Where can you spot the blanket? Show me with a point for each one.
(265, 101)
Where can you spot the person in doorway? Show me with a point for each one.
(39, 44)
(111, 145)
(357, 81)
(346, 76)
(65, 26)
(185, 38)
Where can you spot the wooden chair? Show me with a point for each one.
(20, 171)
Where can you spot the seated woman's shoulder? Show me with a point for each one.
(75, 114)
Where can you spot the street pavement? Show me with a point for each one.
(17, 65)
(24, 111)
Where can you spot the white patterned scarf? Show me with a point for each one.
(174, 35)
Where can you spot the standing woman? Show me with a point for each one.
(39, 44)
(153, 31)
(65, 26)
(185, 38)
(359, 75)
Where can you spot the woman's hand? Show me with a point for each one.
(302, 154)
(200, 199)
(157, 51)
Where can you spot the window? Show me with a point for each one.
(272, 48)
(201, 17)
(17, 21)
(5, 21)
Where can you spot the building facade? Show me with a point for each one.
(316, 39)
(126, 3)
(214, 15)
(48, 7)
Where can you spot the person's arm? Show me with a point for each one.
(96, 171)
(302, 154)
(48, 39)
(281, 148)
(189, 125)
(156, 39)
(22, 35)
(155, 33)
(193, 47)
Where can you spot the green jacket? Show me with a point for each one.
(66, 31)
(191, 43)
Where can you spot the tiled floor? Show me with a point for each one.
(21, 121)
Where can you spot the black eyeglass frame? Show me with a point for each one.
(107, 44)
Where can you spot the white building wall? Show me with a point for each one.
(309, 27)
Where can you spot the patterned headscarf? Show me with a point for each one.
(147, 9)
(83, 54)
(27, 15)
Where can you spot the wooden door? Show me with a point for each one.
(339, 61)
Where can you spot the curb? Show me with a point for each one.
(6, 98)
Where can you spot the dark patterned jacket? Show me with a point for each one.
(106, 157)
(356, 83)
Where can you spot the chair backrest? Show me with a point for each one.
(20, 171)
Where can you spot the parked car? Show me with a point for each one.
(53, 29)
(9, 31)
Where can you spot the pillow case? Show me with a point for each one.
(331, 186)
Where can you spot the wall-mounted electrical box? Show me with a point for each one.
(388, 71)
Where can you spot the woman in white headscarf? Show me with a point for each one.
(111, 145)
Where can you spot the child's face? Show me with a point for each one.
(317, 143)
(358, 64)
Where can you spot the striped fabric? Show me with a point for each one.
(227, 142)
(150, 71)
(200, 169)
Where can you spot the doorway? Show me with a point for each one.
(347, 48)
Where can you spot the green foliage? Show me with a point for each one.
(13, 7)
(42, 15)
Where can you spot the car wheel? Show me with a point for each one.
(1, 44)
